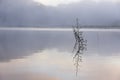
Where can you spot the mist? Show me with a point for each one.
(26, 13)
(47, 55)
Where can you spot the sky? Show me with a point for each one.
(58, 2)
(29, 13)
(55, 2)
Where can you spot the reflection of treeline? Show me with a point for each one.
(79, 47)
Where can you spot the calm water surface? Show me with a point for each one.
(47, 55)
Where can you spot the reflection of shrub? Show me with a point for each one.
(79, 47)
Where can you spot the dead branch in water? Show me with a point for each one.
(79, 47)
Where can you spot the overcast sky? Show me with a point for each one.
(58, 2)
(30, 13)
(55, 2)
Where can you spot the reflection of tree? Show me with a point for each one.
(79, 47)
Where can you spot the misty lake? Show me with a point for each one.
(47, 55)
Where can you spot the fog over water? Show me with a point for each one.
(47, 55)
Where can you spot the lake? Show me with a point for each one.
(47, 55)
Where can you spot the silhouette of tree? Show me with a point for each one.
(79, 47)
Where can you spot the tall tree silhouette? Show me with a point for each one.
(79, 47)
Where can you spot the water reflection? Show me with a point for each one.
(30, 55)
(16, 44)
(50, 62)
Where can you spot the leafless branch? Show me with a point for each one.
(79, 47)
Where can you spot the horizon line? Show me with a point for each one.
(59, 29)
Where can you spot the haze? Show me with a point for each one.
(28, 13)
(41, 53)
(58, 2)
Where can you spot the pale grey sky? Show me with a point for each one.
(57, 2)
(27, 13)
